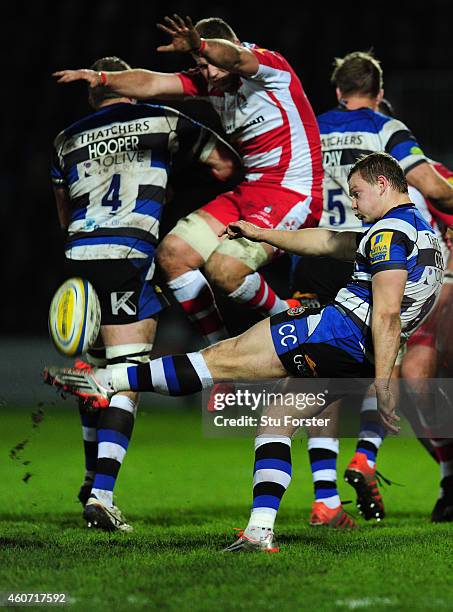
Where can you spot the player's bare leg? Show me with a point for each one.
(421, 364)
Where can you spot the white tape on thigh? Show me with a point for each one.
(194, 230)
(129, 352)
(252, 254)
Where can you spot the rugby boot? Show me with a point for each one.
(323, 516)
(254, 539)
(293, 303)
(364, 479)
(443, 509)
(108, 518)
(93, 386)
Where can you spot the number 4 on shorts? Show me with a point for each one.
(112, 197)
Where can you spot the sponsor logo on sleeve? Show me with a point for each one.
(380, 247)
(416, 151)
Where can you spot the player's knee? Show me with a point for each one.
(175, 255)
(419, 363)
(222, 357)
(224, 273)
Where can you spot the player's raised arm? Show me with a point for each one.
(311, 241)
(219, 52)
(137, 83)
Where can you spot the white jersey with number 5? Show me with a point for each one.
(345, 136)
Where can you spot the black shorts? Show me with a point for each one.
(124, 293)
(320, 277)
(319, 343)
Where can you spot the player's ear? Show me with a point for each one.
(383, 183)
(339, 94)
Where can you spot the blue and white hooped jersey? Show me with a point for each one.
(114, 164)
(347, 134)
(400, 240)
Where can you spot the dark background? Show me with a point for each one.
(413, 40)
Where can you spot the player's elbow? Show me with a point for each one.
(440, 195)
(145, 85)
(436, 189)
(389, 316)
(225, 170)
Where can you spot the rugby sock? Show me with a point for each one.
(371, 433)
(257, 294)
(170, 375)
(96, 357)
(114, 432)
(271, 478)
(90, 444)
(444, 451)
(323, 453)
(193, 292)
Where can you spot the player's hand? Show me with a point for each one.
(386, 406)
(184, 36)
(68, 76)
(243, 229)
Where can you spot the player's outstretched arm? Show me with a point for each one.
(221, 53)
(311, 241)
(433, 186)
(388, 290)
(139, 84)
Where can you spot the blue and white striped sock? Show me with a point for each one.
(271, 478)
(323, 453)
(113, 434)
(90, 443)
(171, 375)
(372, 433)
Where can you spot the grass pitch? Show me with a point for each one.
(183, 494)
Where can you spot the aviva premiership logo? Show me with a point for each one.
(296, 311)
(380, 247)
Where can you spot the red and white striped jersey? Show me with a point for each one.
(270, 121)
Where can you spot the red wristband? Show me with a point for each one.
(202, 46)
(102, 79)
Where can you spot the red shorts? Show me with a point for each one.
(426, 334)
(266, 206)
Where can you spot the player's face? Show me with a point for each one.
(366, 198)
(216, 77)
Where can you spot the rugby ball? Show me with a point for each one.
(74, 317)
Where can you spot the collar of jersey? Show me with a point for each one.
(408, 205)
